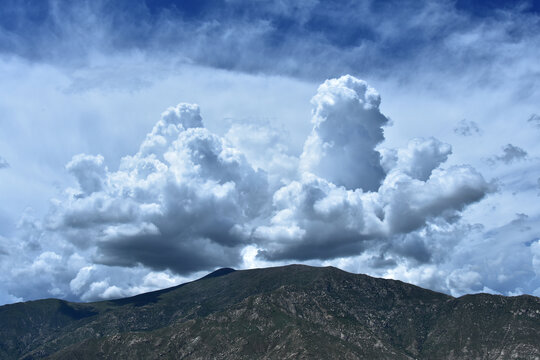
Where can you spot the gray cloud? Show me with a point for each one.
(534, 119)
(512, 273)
(3, 163)
(511, 153)
(89, 172)
(461, 258)
(467, 128)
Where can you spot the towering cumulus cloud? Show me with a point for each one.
(189, 200)
(350, 197)
(176, 204)
(346, 128)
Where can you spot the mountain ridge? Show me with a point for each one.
(290, 311)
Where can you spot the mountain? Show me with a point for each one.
(290, 312)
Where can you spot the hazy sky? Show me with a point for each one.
(145, 143)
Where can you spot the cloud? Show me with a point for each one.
(176, 204)
(347, 126)
(311, 39)
(511, 153)
(419, 159)
(316, 219)
(464, 280)
(346, 201)
(534, 119)
(467, 128)
(94, 282)
(3, 163)
(503, 257)
(89, 172)
(535, 250)
(182, 203)
(461, 258)
(264, 148)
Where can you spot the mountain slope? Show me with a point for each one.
(294, 311)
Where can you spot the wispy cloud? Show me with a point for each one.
(311, 39)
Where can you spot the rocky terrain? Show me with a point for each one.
(290, 312)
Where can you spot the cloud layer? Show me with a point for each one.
(307, 38)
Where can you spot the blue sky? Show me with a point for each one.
(421, 165)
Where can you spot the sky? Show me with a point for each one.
(146, 143)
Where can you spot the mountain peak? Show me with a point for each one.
(219, 272)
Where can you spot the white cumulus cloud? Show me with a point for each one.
(350, 197)
(176, 204)
(347, 126)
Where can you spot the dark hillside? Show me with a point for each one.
(276, 313)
